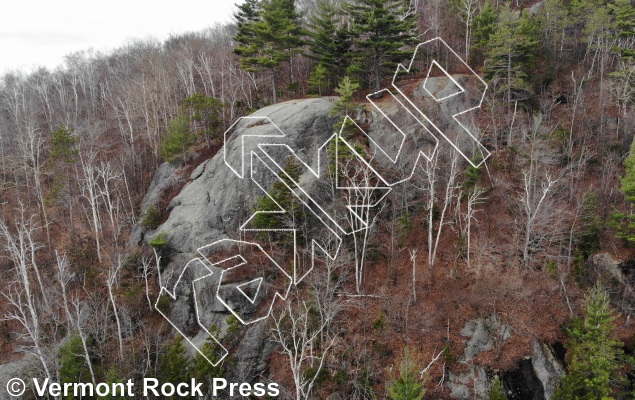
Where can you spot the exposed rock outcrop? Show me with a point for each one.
(18, 369)
(547, 368)
(215, 202)
(212, 206)
(484, 334)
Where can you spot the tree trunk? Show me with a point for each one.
(273, 86)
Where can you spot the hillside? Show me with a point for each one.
(435, 202)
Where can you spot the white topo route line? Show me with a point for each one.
(239, 264)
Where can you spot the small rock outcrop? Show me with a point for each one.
(18, 369)
(547, 368)
(484, 334)
(606, 266)
(535, 378)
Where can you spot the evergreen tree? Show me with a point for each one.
(593, 354)
(497, 391)
(175, 366)
(625, 223)
(344, 106)
(63, 153)
(406, 385)
(269, 38)
(555, 21)
(623, 77)
(64, 146)
(199, 117)
(203, 371)
(113, 375)
(624, 14)
(512, 54)
(204, 115)
(73, 367)
(588, 236)
(483, 26)
(318, 78)
(382, 31)
(281, 196)
(247, 14)
(178, 139)
(330, 42)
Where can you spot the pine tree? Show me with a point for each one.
(345, 106)
(330, 41)
(318, 78)
(483, 26)
(175, 365)
(625, 223)
(63, 154)
(73, 367)
(383, 29)
(512, 54)
(202, 370)
(270, 38)
(623, 78)
(555, 22)
(247, 14)
(199, 117)
(406, 385)
(204, 115)
(344, 127)
(64, 146)
(624, 13)
(588, 236)
(178, 139)
(113, 376)
(594, 356)
(281, 196)
(497, 391)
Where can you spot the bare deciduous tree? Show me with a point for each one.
(474, 198)
(111, 281)
(363, 213)
(298, 333)
(19, 294)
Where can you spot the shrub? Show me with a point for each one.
(497, 392)
(159, 241)
(406, 385)
(151, 217)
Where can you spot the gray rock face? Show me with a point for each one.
(17, 369)
(212, 206)
(546, 368)
(461, 385)
(606, 265)
(216, 202)
(165, 178)
(542, 371)
(484, 334)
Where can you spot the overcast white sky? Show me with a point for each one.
(42, 32)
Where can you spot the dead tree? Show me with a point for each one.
(20, 296)
(474, 198)
(89, 186)
(451, 187)
(363, 211)
(111, 281)
(298, 334)
(22, 248)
